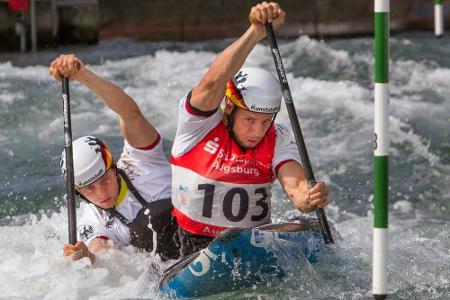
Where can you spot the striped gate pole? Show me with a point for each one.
(438, 18)
(381, 150)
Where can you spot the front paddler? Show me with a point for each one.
(225, 162)
(128, 202)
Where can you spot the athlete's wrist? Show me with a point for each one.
(83, 75)
(257, 32)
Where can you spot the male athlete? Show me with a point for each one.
(225, 162)
(128, 203)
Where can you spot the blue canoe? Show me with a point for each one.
(240, 258)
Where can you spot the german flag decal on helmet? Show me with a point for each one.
(235, 95)
(91, 160)
(256, 90)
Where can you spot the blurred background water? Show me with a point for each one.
(332, 86)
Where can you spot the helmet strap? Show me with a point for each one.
(82, 197)
(117, 176)
(273, 120)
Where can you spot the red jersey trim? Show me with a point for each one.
(277, 168)
(152, 145)
(195, 227)
(195, 111)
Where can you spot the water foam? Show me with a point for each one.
(332, 90)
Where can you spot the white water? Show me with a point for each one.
(331, 86)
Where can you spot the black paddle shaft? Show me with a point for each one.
(72, 222)
(325, 228)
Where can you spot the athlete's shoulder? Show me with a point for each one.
(282, 130)
(144, 162)
(283, 133)
(92, 222)
(192, 129)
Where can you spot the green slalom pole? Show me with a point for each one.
(438, 18)
(381, 150)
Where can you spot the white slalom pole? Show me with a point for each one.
(438, 18)
(381, 150)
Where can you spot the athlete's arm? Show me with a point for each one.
(208, 94)
(293, 180)
(133, 125)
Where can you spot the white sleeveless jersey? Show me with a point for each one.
(215, 185)
(150, 173)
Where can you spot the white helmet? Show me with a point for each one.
(91, 159)
(256, 90)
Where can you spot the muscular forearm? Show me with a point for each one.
(228, 63)
(211, 90)
(297, 193)
(134, 127)
(113, 96)
(208, 94)
(295, 184)
(309, 199)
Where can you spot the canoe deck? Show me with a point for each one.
(241, 257)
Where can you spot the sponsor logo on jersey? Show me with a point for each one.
(230, 163)
(183, 188)
(110, 222)
(226, 169)
(211, 146)
(85, 231)
(211, 231)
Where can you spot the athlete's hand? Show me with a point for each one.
(78, 251)
(266, 12)
(317, 196)
(67, 65)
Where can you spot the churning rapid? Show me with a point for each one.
(332, 86)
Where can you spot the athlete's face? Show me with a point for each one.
(250, 127)
(102, 192)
